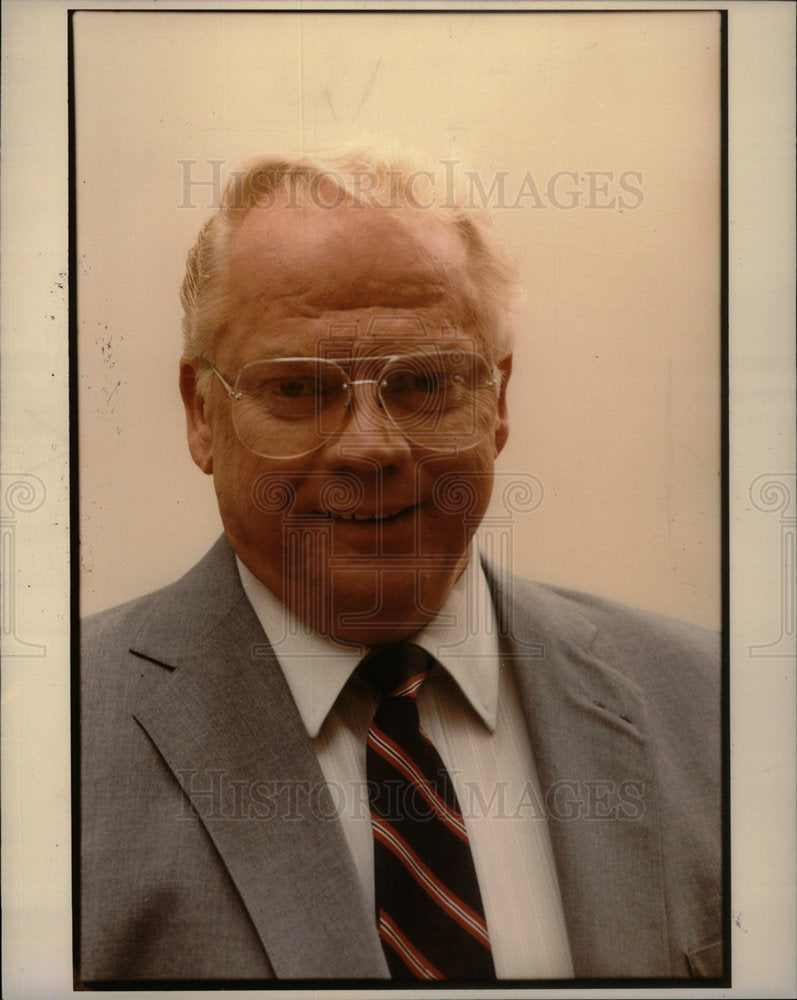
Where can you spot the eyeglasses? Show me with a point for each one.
(289, 407)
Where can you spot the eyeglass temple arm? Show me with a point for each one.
(231, 392)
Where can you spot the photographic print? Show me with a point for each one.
(366, 552)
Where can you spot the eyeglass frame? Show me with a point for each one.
(235, 394)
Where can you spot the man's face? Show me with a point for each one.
(363, 537)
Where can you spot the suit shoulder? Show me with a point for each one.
(648, 648)
(123, 619)
(188, 604)
(559, 607)
(629, 626)
(674, 665)
(110, 633)
(112, 677)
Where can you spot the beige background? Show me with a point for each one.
(615, 397)
(36, 838)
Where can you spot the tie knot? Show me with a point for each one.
(396, 671)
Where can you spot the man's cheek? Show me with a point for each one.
(443, 532)
(461, 490)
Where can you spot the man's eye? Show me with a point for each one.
(293, 388)
(427, 383)
(423, 382)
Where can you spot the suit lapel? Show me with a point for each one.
(227, 727)
(587, 728)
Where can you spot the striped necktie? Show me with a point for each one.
(429, 911)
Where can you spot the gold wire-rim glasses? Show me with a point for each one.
(440, 400)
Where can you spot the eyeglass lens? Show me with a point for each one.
(287, 407)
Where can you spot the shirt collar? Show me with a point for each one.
(462, 638)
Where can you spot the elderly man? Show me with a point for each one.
(342, 746)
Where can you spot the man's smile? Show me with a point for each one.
(372, 517)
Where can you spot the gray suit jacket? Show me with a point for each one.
(210, 848)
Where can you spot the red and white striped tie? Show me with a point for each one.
(428, 905)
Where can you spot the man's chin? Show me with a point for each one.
(383, 627)
(377, 608)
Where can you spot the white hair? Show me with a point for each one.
(358, 176)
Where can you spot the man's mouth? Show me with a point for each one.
(368, 516)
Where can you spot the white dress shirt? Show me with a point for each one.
(471, 711)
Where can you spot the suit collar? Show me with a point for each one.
(270, 817)
(587, 728)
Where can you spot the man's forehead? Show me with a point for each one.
(351, 256)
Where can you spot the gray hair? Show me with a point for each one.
(359, 176)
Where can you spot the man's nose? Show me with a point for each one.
(368, 434)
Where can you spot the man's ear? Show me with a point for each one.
(501, 432)
(200, 435)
